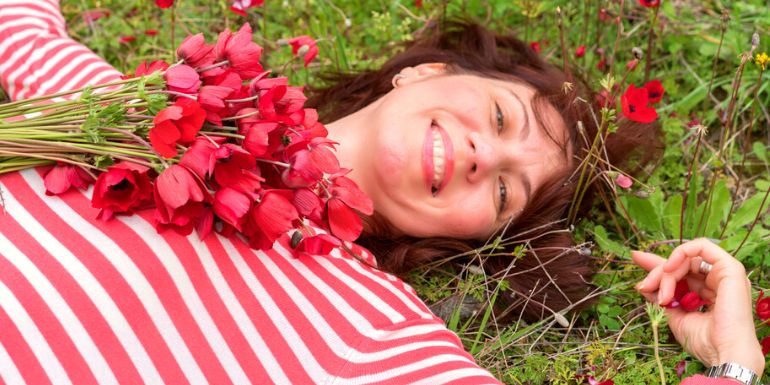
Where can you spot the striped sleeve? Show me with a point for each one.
(37, 57)
(418, 352)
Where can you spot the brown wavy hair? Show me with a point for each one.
(553, 274)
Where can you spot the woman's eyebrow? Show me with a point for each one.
(525, 129)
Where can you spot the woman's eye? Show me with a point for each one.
(500, 120)
(503, 191)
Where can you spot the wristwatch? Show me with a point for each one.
(734, 371)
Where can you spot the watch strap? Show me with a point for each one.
(734, 371)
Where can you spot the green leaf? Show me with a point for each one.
(745, 214)
(671, 215)
(760, 151)
(644, 215)
(718, 211)
(604, 241)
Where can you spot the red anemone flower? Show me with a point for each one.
(686, 299)
(64, 176)
(580, 51)
(195, 52)
(241, 51)
(240, 6)
(178, 123)
(164, 3)
(304, 43)
(535, 45)
(180, 200)
(765, 345)
(126, 39)
(763, 307)
(183, 78)
(121, 189)
(634, 104)
(144, 69)
(655, 90)
(151, 32)
(649, 3)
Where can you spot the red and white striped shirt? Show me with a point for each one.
(84, 301)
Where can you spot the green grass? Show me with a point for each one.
(614, 338)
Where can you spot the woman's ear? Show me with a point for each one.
(419, 72)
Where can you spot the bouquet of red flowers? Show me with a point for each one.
(212, 142)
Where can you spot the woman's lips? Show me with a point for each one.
(437, 158)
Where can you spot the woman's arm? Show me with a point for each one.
(725, 332)
(37, 57)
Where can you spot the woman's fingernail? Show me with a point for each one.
(640, 286)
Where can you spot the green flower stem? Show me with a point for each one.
(227, 134)
(7, 106)
(10, 167)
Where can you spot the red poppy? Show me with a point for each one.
(535, 45)
(763, 307)
(144, 69)
(305, 45)
(580, 51)
(180, 200)
(164, 3)
(182, 78)
(126, 39)
(195, 52)
(64, 176)
(765, 345)
(212, 99)
(241, 51)
(272, 217)
(240, 6)
(231, 206)
(321, 244)
(151, 32)
(178, 123)
(692, 301)
(634, 104)
(121, 189)
(686, 299)
(655, 90)
(649, 3)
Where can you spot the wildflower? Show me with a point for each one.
(580, 51)
(321, 244)
(164, 3)
(623, 181)
(655, 90)
(151, 32)
(270, 218)
(126, 39)
(418, 3)
(681, 367)
(195, 52)
(146, 69)
(182, 78)
(634, 104)
(232, 206)
(241, 51)
(240, 6)
(122, 188)
(180, 198)
(762, 60)
(686, 299)
(64, 176)
(304, 43)
(649, 3)
(89, 17)
(535, 45)
(632, 64)
(765, 345)
(178, 123)
(763, 307)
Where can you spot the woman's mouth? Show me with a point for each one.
(437, 158)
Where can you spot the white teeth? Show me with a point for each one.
(438, 158)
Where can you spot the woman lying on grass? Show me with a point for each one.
(463, 137)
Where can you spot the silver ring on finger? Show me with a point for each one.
(705, 267)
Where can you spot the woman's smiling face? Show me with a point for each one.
(453, 155)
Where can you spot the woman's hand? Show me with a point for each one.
(723, 333)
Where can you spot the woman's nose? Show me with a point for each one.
(483, 157)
